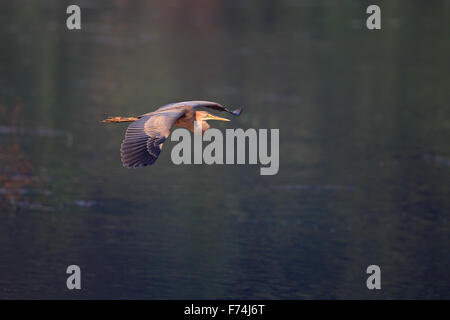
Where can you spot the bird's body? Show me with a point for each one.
(146, 134)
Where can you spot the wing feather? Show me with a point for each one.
(205, 104)
(144, 138)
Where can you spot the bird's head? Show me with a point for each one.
(203, 116)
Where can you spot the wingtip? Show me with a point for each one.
(237, 112)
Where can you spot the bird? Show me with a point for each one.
(146, 134)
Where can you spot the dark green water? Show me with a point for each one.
(364, 175)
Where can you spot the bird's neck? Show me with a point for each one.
(184, 123)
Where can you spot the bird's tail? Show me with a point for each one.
(120, 119)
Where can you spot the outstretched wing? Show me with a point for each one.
(144, 138)
(204, 104)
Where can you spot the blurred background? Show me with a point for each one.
(364, 175)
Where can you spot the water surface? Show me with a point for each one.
(364, 175)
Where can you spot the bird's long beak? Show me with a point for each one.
(213, 117)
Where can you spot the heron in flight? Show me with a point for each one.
(146, 134)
